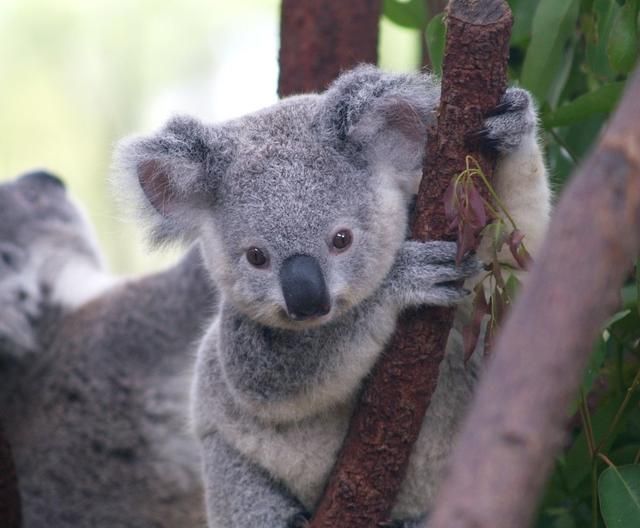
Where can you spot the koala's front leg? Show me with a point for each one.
(520, 179)
(240, 494)
(426, 273)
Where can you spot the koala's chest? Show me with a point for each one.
(300, 454)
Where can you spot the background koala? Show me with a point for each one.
(302, 210)
(94, 372)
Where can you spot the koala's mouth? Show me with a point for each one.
(294, 320)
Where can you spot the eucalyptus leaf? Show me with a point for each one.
(411, 14)
(435, 35)
(602, 100)
(619, 493)
(523, 11)
(604, 13)
(622, 47)
(553, 26)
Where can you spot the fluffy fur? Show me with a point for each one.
(94, 384)
(272, 394)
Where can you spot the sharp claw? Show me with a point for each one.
(501, 108)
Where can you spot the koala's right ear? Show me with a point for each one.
(173, 175)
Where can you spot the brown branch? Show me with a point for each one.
(10, 513)
(518, 420)
(374, 457)
(319, 39)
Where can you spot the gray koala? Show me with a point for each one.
(94, 371)
(301, 210)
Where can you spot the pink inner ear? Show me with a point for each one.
(155, 183)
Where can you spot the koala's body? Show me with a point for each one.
(94, 372)
(301, 210)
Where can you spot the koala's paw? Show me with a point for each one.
(426, 273)
(510, 122)
(299, 520)
(19, 305)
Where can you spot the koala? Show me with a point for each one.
(301, 210)
(94, 371)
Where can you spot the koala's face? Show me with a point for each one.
(40, 230)
(300, 208)
(302, 231)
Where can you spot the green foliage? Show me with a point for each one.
(619, 491)
(551, 32)
(434, 37)
(411, 13)
(574, 56)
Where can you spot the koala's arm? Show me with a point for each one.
(426, 273)
(520, 179)
(239, 493)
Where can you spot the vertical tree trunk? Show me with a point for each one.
(319, 39)
(518, 419)
(374, 457)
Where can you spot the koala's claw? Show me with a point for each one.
(299, 520)
(508, 123)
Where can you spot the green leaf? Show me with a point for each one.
(553, 26)
(602, 100)
(597, 38)
(411, 13)
(577, 458)
(435, 35)
(523, 11)
(619, 493)
(595, 363)
(622, 47)
(512, 287)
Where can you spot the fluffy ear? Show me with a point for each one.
(383, 116)
(173, 175)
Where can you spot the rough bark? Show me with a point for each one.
(318, 40)
(10, 514)
(518, 420)
(374, 457)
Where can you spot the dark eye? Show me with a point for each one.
(342, 239)
(256, 257)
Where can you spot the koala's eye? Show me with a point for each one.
(256, 257)
(342, 239)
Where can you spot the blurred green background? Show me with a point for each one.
(77, 75)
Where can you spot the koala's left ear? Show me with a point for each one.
(382, 115)
(173, 174)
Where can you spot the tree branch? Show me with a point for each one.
(374, 457)
(518, 419)
(318, 40)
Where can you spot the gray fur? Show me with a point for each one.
(95, 407)
(272, 394)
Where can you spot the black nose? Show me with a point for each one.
(303, 286)
(42, 177)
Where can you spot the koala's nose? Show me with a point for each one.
(303, 286)
(42, 177)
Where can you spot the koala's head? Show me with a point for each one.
(41, 232)
(301, 207)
